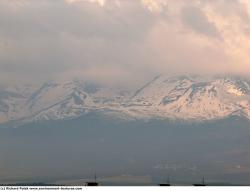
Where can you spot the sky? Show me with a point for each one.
(122, 41)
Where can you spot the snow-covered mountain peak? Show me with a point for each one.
(176, 98)
(193, 98)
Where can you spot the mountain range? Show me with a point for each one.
(185, 98)
(185, 127)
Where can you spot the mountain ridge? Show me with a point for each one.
(188, 98)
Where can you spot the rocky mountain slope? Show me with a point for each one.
(191, 98)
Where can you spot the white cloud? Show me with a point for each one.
(100, 2)
(154, 5)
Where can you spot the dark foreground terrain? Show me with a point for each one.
(126, 153)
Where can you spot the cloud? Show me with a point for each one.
(154, 5)
(197, 20)
(129, 40)
(100, 2)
